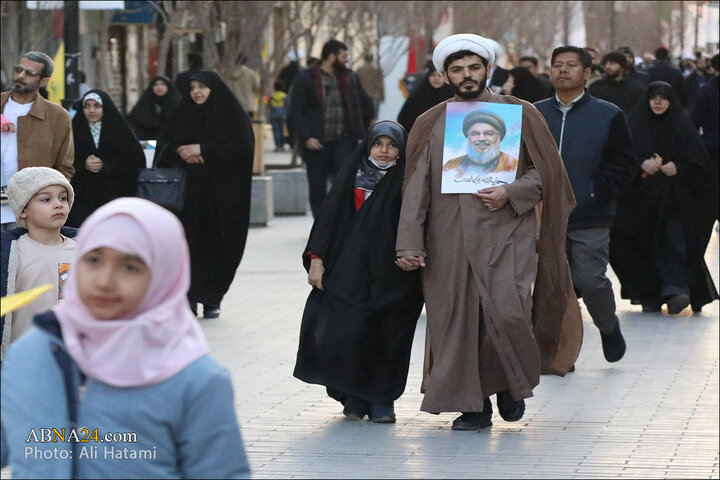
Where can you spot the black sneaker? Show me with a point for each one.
(355, 408)
(211, 312)
(651, 305)
(474, 420)
(677, 303)
(382, 413)
(510, 410)
(613, 344)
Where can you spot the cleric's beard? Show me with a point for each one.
(482, 158)
(471, 95)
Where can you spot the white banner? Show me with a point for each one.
(83, 5)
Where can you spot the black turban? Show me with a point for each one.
(484, 116)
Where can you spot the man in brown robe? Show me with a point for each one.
(498, 292)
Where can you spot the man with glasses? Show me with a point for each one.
(43, 131)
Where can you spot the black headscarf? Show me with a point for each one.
(151, 112)
(118, 148)
(671, 135)
(423, 97)
(119, 151)
(368, 174)
(527, 86)
(218, 120)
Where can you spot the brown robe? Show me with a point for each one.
(482, 265)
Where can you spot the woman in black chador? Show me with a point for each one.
(211, 136)
(664, 220)
(429, 91)
(108, 156)
(154, 108)
(521, 83)
(359, 320)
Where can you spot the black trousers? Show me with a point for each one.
(321, 164)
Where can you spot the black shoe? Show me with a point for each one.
(211, 312)
(651, 305)
(193, 307)
(510, 410)
(382, 413)
(613, 344)
(677, 303)
(474, 420)
(355, 409)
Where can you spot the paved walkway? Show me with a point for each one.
(654, 414)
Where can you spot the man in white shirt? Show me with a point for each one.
(43, 130)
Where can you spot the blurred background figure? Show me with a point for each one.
(277, 114)
(521, 83)
(596, 70)
(664, 71)
(372, 81)
(630, 71)
(705, 114)
(615, 87)
(244, 83)
(428, 92)
(154, 107)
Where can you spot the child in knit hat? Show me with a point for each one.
(40, 250)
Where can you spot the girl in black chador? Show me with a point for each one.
(664, 220)
(108, 156)
(359, 320)
(211, 136)
(154, 108)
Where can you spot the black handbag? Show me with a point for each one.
(164, 186)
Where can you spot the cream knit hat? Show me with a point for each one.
(27, 182)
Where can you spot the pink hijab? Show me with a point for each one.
(162, 335)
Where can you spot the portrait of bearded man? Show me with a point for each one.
(484, 131)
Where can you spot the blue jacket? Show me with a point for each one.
(599, 155)
(184, 427)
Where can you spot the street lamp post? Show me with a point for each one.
(72, 52)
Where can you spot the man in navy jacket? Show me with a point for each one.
(595, 143)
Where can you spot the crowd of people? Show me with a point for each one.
(618, 168)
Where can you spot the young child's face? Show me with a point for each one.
(111, 284)
(48, 209)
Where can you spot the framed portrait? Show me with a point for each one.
(482, 145)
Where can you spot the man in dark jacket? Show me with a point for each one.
(615, 87)
(665, 71)
(594, 140)
(705, 112)
(630, 71)
(330, 113)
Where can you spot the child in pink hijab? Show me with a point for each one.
(121, 361)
